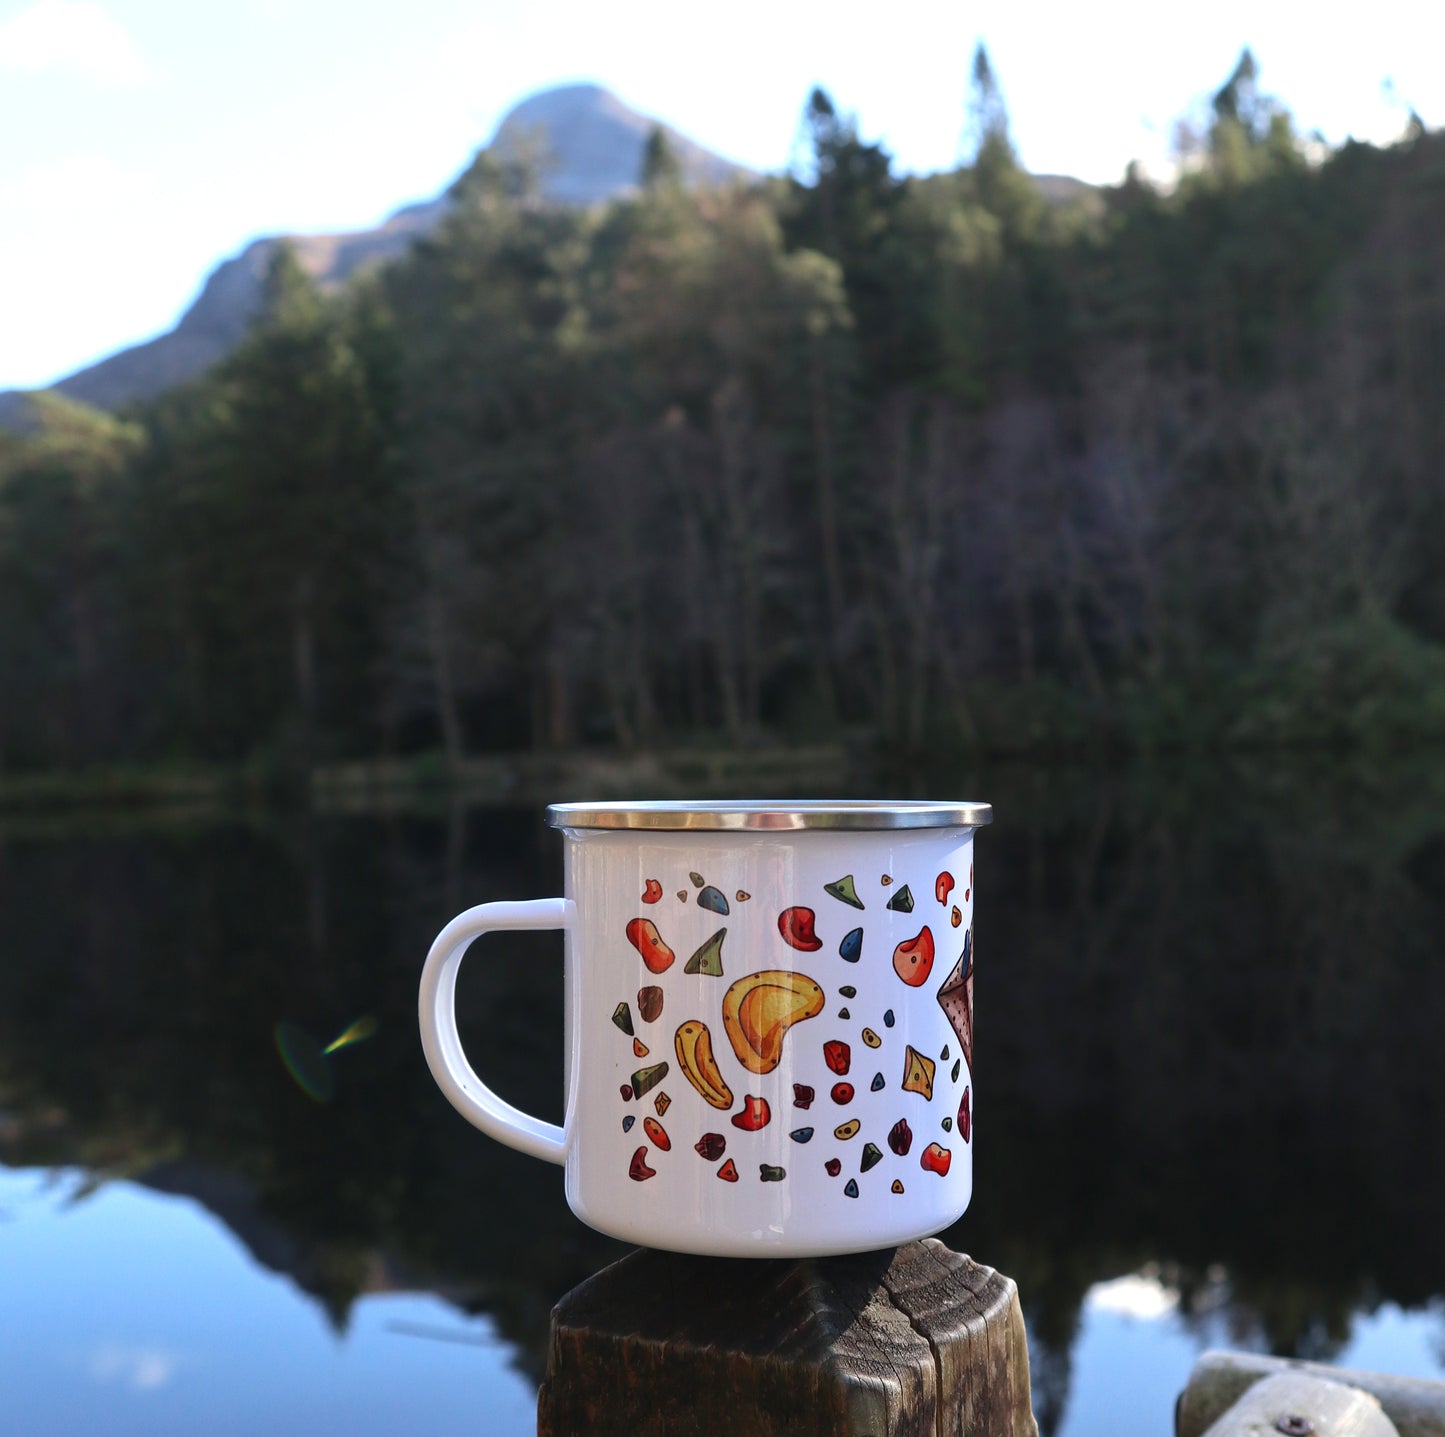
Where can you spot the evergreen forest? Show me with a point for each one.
(955, 460)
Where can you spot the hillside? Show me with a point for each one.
(591, 146)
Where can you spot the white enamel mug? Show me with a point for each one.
(769, 1022)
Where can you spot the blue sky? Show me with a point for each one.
(142, 141)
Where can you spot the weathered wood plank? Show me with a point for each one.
(1416, 1407)
(906, 1343)
(1301, 1404)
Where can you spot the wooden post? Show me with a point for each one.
(914, 1340)
(1219, 1380)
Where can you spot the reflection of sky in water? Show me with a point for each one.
(1133, 1352)
(130, 1312)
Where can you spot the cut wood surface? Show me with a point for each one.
(1415, 1407)
(917, 1341)
(1298, 1404)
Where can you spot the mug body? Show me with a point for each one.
(770, 1032)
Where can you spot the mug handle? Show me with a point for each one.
(466, 1092)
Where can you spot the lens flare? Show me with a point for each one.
(358, 1032)
(305, 1061)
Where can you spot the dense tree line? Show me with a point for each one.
(950, 458)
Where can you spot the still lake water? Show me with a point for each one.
(1211, 1073)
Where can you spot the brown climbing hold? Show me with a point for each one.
(711, 1146)
(649, 1003)
(900, 1137)
(638, 1170)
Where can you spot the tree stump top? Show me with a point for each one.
(913, 1340)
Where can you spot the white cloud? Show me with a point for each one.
(142, 1369)
(71, 37)
(1139, 1296)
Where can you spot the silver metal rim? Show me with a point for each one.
(731, 815)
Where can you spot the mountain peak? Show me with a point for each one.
(593, 141)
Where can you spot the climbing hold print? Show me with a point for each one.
(693, 1045)
(711, 1146)
(965, 1116)
(850, 1189)
(639, 1048)
(917, 1073)
(622, 1016)
(943, 886)
(902, 901)
(842, 1093)
(728, 1172)
(649, 1003)
(957, 1064)
(888, 1018)
(661, 1103)
(697, 879)
(849, 992)
(850, 950)
(713, 900)
(955, 917)
(657, 1133)
(760, 1008)
(653, 892)
(900, 1137)
(769, 1174)
(802, 1095)
(837, 1055)
(796, 926)
(897, 1186)
(643, 935)
(833, 1167)
(645, 1079)
(626, 1091)
(876, 1086)
(872, 1156)
(913, 958)
(871, 1038)
(628, 1121)
(742, 896)
(755, 1114)
(936, 1159)
(844, 891)
(708, 959)
(638, 1170)
(956, 997)
(847, 1130)
(801, 1135)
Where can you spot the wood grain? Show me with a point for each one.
(916, 1341)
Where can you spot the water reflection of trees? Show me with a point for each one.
(1210, 1014)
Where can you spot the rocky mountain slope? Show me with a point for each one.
(591, 146)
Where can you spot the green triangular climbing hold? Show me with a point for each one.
(708, 959)
(902, 901)
(844, 891)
